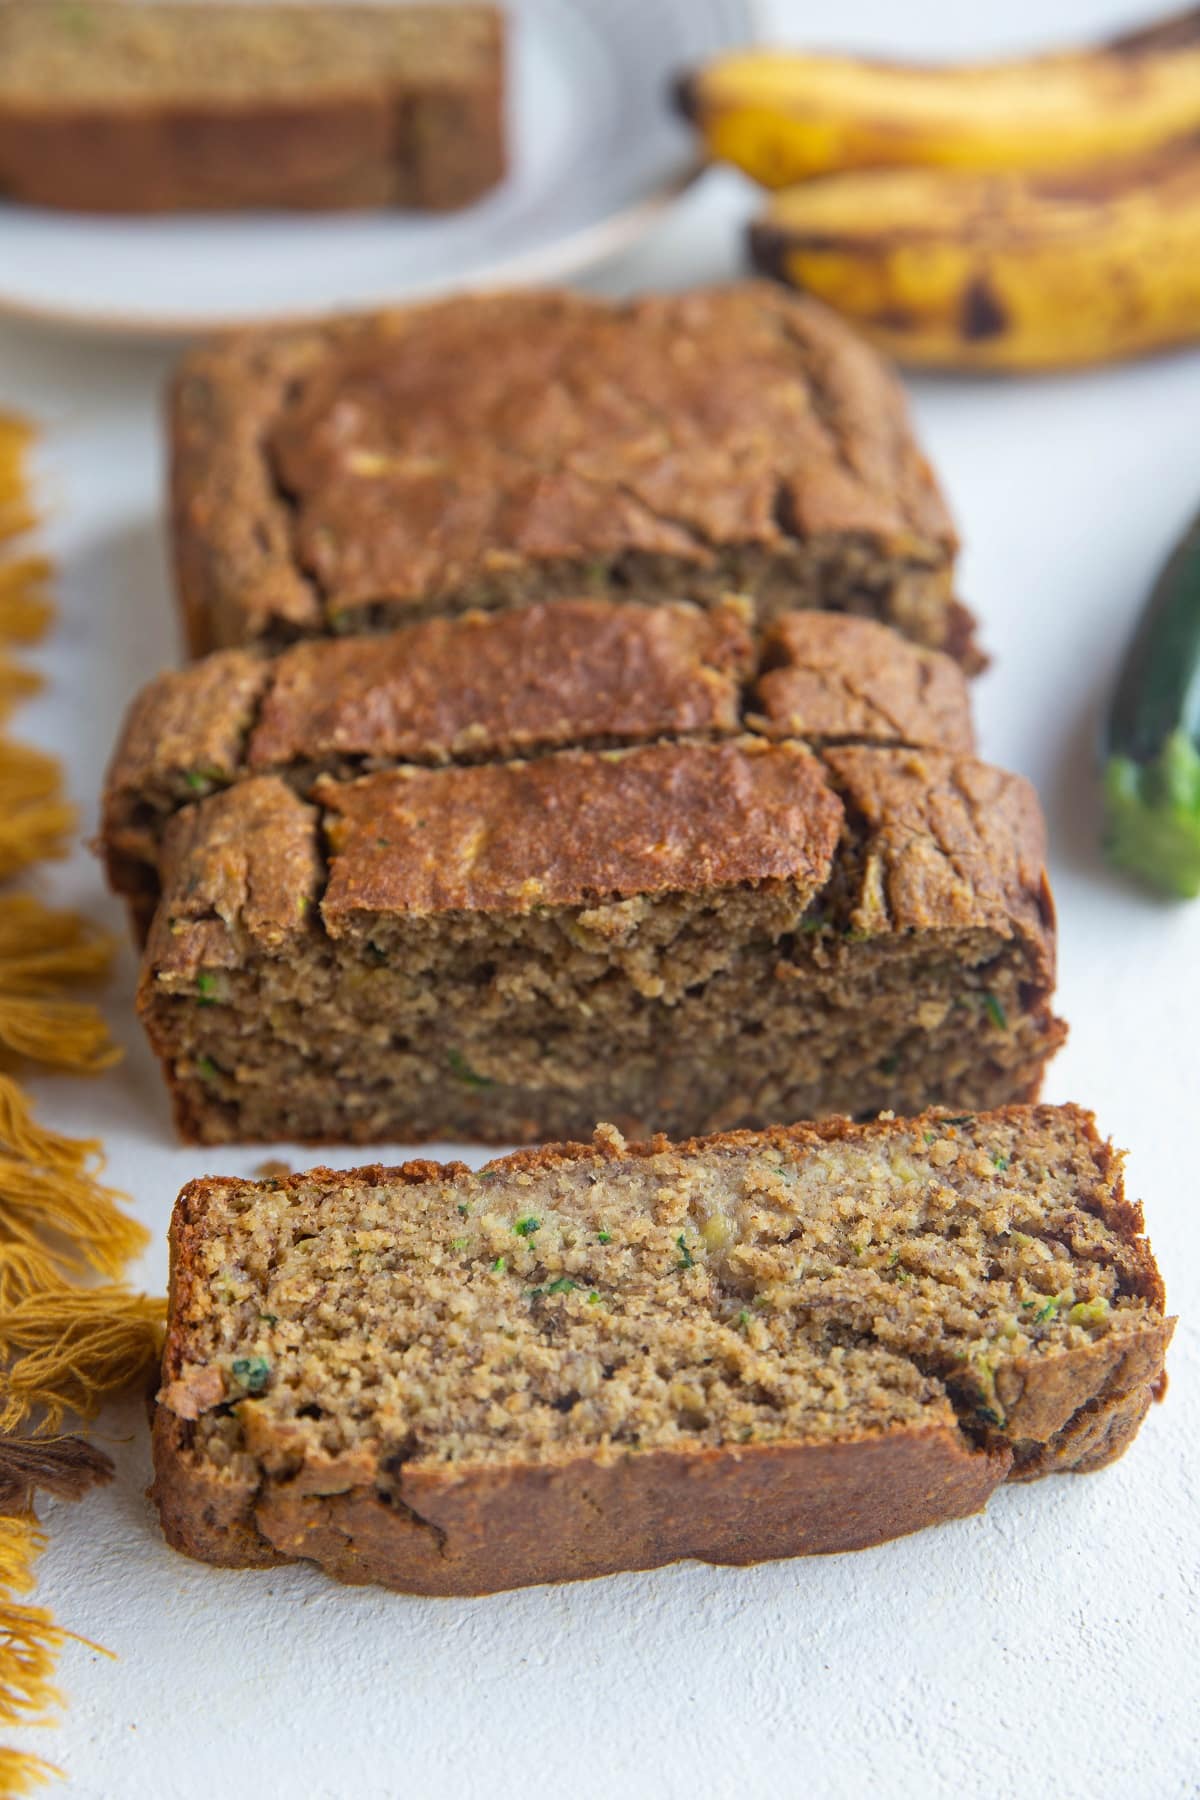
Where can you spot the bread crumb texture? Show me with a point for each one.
(413, 1332)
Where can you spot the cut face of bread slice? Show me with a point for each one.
(579, 1360)
(676, 936)
(493, 687)
(501, 450)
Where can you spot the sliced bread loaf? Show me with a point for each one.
(677, 936)
(491, 687)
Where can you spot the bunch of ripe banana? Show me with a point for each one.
(1020, 215)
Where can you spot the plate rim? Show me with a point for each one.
(585, 248)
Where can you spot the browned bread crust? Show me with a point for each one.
(678, 935)
(739, 1348)
(498, 450)
(484, 687)
(494, 686)
(829, 678)
(569, 829)
(137, 108)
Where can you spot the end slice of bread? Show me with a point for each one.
(582, 1359)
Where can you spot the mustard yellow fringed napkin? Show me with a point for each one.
(64, 1347)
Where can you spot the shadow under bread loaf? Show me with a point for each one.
(210, 107)
(584, 1359)
(498, 450)
(486, 687)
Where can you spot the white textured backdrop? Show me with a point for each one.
(1049, 1647)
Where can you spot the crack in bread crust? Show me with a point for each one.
(492, 451)
(493, 688)
(684, 936)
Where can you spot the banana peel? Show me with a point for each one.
(785, 117)
(954, 269)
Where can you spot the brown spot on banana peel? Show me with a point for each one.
(983, 313)
(773, 246)
(895, 318)
(1110, 180)
(1179, 32)
(775, 242)
(769, 248)
(685, 92)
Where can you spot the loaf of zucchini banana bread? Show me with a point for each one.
(496, 450)
(487, 687)
(676, 936)
(584, 1359)
(119, 106)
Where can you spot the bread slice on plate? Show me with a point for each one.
(118, 106)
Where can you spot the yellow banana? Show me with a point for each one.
(786, 116)
(965, 271)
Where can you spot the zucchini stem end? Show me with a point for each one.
(1152, 813)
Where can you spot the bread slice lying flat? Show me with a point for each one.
(585, 1359)
(123, 106)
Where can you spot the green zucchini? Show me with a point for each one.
(1152, 736)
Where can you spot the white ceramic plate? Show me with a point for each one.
(597, 153)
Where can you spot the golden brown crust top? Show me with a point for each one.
(574, 828)
(547, 427)
(481, 687)
(916, 840)
(831, 676)
(421, 452)
(500, 685)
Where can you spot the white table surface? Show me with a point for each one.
(1049, 1646)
